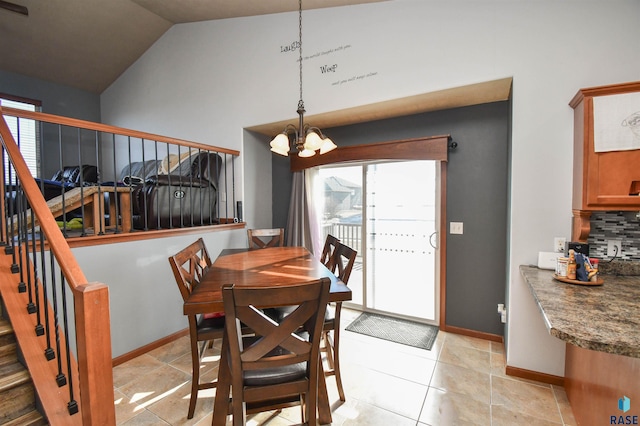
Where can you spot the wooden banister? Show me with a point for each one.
(91, 302)
(96, 375)
(74, 122)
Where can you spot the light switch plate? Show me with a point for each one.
(455, 227)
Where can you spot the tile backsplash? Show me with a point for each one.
(624, 226)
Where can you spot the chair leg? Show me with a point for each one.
(196, 354)
(328, 348)
(239, 408)
(336, 362)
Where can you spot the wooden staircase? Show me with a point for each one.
(17, 393)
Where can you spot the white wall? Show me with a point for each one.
(206, 81)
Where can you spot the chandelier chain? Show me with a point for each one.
(301, 103)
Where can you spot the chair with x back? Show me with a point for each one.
(189, 265)
(327, 257)
(264, 238)
(278, 366)
(344, 258)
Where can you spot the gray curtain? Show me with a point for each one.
(303, 225)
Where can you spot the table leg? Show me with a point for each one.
(221, 403)
(324, 408)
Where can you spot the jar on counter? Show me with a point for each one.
(561, 267)
(572, 266)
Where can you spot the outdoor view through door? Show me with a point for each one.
(387, 212)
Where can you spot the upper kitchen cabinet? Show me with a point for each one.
(606, 153)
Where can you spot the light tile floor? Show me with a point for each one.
(461, 381)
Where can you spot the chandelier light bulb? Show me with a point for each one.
(327, 145)
(312, 141)
(306, 153)
(280, 144)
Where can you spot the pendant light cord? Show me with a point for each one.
(301, 102)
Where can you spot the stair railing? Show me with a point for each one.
(61, 321)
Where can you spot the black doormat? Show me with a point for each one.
(395, 330)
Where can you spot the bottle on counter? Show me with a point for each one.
(571, 265)
(593, 274)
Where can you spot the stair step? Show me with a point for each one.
(17, 394)
(8, 353)
(5, 327)
(13, 375)
(32, 418)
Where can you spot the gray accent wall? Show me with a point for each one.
(477, 195)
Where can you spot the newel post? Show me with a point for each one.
(93, 335)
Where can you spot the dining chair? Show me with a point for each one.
(188, 266)
(263, 238)
(330, 244)
(279, 365)
(344, 258)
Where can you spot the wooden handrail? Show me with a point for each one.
(57, 243)
(74, 122)
(91, 301)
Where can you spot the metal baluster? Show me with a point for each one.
(72, 406)
(7, 197)
(101, 193)
(60, 378)
(226, 184)
(44, 308)
(20, 207)
(144, 191)
(31, 307)
(82, 206)
(39, 326)
(116, 199)
(62, 192)
(11, 248)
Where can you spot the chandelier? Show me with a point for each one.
(307, 139)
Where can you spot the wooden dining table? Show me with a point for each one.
(269, 267)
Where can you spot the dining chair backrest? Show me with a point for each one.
(344, 260)
(278, 361)
(189, 265)
(263, 238)
(328, 252)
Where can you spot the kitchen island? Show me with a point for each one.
(601, 325)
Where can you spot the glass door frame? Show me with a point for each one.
(437, 283)
(422, 148)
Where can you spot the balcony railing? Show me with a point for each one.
(99, 179)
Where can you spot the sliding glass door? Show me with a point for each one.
(387, 211)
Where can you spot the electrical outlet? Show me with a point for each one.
(614, 248)
(558, 244)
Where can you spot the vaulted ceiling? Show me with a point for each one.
(87, 44)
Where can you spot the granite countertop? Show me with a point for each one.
(602, 318)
